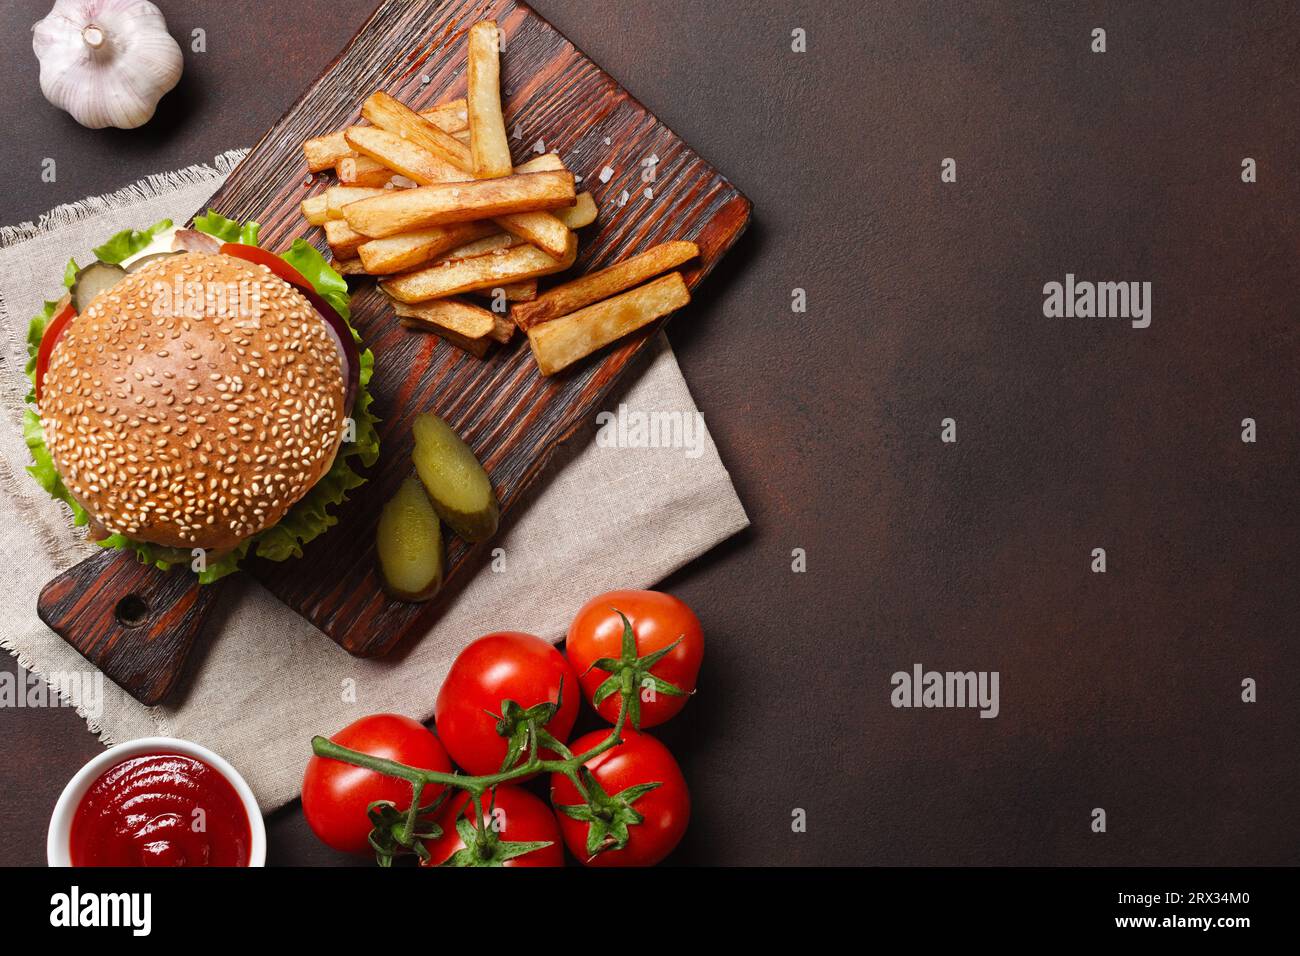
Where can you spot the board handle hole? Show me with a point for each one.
(131, 611)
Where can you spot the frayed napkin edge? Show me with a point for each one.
(150, 187)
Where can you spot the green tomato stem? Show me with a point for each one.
(476, 786)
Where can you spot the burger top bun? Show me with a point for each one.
(195, 402)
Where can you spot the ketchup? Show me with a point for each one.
(161, 810)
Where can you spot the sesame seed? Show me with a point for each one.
(147, 467)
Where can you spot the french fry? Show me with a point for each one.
(411, 133)
(543, 229)
(482, 247)
(315, 209)
(559, 343)
(343, 241)
(362, 171)
(495, 244)
(458, 317)
(471, 321)
(409, 209)
(389, 114)
(348, 267)
(572, 296)
(488, 142)
(450, 117)
(336, 197)
(503, 330)
(545, 163)
(583, 212)
(475, 347)
(408, 250)
(322, 152)
(402, 156)
(524, 291)
(483, 272)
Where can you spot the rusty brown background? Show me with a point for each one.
(1118, 690)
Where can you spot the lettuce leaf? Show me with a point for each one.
(315, 268)
(35, 332)
(307, 519)
(43, 470)
(128, 242)
(227, 230)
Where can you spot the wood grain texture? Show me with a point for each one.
(511, 416)
(135, 623)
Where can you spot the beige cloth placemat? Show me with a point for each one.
(266, 680)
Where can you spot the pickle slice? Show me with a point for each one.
(410, 544)
(457, 484)
(91, 281)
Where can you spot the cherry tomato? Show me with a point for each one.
(335, 795)
(657, 620)
(63, 315)
(507, 665)
(522, 818)
(638, 760)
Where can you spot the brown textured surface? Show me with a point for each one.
(511, 415)
(137, 631)
(925, 301)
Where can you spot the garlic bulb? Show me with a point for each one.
(107, 62)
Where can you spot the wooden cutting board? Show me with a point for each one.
(137, 624)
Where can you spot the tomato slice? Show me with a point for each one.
(264, 257)
(51, 335)
(273, 262)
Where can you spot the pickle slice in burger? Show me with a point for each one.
(410, 544)
(457, 484)
(91, 281)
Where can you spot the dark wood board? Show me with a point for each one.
(135, 623)
(511, 416)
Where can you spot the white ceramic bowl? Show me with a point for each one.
(58, 849)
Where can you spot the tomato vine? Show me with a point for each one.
(399, 833)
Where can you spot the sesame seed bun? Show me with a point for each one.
(195, 402)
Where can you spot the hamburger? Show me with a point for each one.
(197, 399)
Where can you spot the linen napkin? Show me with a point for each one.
(263, 680)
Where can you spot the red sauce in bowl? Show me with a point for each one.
(161, 810)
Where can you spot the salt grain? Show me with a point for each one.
(606, 174)
(539, 147)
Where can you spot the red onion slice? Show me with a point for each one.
(191, 240)
(347, 345)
